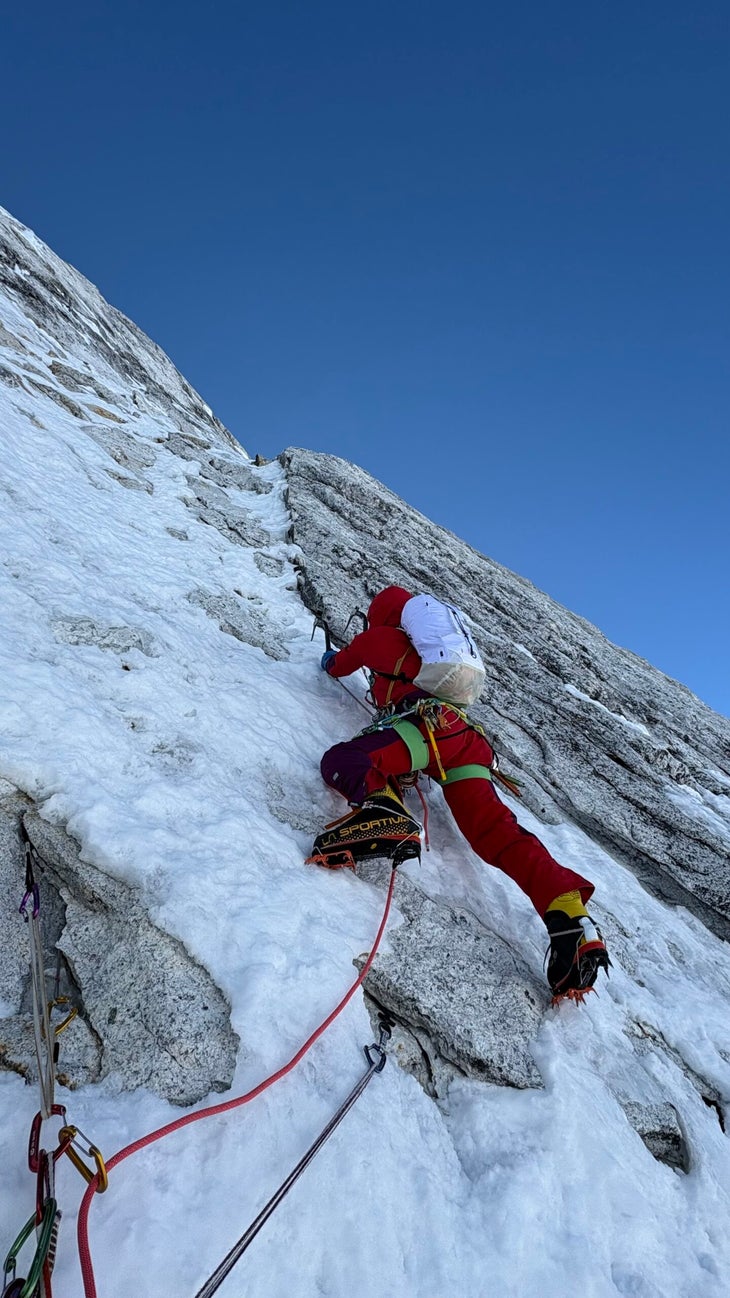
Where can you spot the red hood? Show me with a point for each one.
(387, 607)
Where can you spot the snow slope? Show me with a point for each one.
(185, 761)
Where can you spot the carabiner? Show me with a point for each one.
(34, 892)
(52, 1005)
(14, 1289)
(20, 1288)
(70, 1136)
(34, 1142)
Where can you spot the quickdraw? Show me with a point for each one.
(43, 1257)
(87, 1269)
(376, 1057)
(41, 1161)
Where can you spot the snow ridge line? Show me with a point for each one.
(87, 1268)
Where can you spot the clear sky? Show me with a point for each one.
(480, 249)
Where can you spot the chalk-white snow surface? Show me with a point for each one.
(185, 762)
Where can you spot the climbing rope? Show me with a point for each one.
(87, 1268)
(376, 1057)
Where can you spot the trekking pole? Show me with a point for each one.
(376, 1057)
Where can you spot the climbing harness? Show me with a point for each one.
(87, 1269)
(375, 1055)
(429, 712)
(41, 1160)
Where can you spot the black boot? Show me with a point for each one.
(577, 949)
(380, 827)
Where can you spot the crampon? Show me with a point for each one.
(575, 994)
(382, 827)
(344, 859)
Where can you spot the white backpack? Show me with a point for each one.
(451, 668)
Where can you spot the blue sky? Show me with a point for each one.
(481, 250)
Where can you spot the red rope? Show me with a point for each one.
(87, 1269)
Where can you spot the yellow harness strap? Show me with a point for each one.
(429, 731)
(396, 673)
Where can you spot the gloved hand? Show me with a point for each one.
(327, 657)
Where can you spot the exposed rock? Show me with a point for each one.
(212, 505)
(60, 398)
(186, 446)
(132, 484)
(79, 1047)
(106, 414)
(658, 1126)
(85, 382)
(268, 564)
(243, 619)
(79, 1058)
(155, 1016)
(118, 639)
(61, 302)
(598, 735)
(14, 948)
(647, 1039)
(234, 473)
(468, 1003)
(128, 450)
(10, 378)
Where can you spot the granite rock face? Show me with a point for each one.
(598, 735)
(148, 1013)
(71, 311)
(464, 1003)
(659, 1128)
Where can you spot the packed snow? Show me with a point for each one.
(186, 763)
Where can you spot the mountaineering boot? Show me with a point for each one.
(380, 827)
(577, 950)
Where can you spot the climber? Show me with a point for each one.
(416, 732)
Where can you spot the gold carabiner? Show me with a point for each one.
(52, 1005)
(70, 1136)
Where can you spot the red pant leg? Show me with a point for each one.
(493, 832)
(362, 766)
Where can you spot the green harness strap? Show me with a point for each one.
(470, 772)
(421, 756)
(413, 740)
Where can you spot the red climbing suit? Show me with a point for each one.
(362, 765)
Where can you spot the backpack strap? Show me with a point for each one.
(398, 676)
